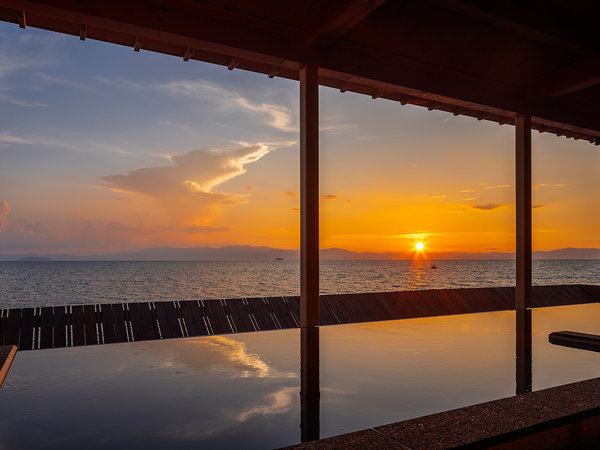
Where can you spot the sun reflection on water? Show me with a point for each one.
(419, 274)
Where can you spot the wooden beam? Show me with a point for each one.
(261, 44)
(514, 18)
(523, 202)
(339, 20)
(309, 196)
(82, 32)
(569, 79)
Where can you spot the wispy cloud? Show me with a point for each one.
(10, 98)
(335, 124)
(466, 190)
(15, 59)
(59, 80)
(545, 185)
(176, 125)
(329, 197)
(277, 116)
(291, 194)
(439, 196)
(537, 206)
(498, 186)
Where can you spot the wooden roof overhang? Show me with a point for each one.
(491, 60)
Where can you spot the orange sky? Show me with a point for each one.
(180, 154)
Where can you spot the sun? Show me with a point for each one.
(419, 246)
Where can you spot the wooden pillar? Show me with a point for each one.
(524, 358)
(523, 300)
(523, 188)
(309, 196)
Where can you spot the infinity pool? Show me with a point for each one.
(243, 391)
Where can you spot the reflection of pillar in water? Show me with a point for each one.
(524, 356)
(309, 384)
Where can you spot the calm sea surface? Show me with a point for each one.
(60, 283)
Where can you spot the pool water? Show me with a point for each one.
(243, 391)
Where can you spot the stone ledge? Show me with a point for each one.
(558, 417)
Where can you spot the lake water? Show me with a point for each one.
(60, 283)
(243, 391)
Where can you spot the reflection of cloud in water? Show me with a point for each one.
(220, 354)
(249, 364)
(243, 389)
(220, 421)
(281, 401)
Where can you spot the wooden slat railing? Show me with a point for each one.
(77, 325)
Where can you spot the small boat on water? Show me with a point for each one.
(433, 266)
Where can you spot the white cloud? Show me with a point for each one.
(277, 116)
(187, 188)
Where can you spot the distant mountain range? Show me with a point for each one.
(251, 253)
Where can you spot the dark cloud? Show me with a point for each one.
(488, 206)
(329, 197)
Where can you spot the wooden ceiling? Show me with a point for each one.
(491, 60)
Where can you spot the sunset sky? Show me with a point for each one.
(104, 150)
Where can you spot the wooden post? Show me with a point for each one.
(524, 373)
(523, 301)
(309, 196)
(523, 188)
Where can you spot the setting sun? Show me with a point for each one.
(419, 246)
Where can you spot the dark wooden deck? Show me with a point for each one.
(77, 325)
